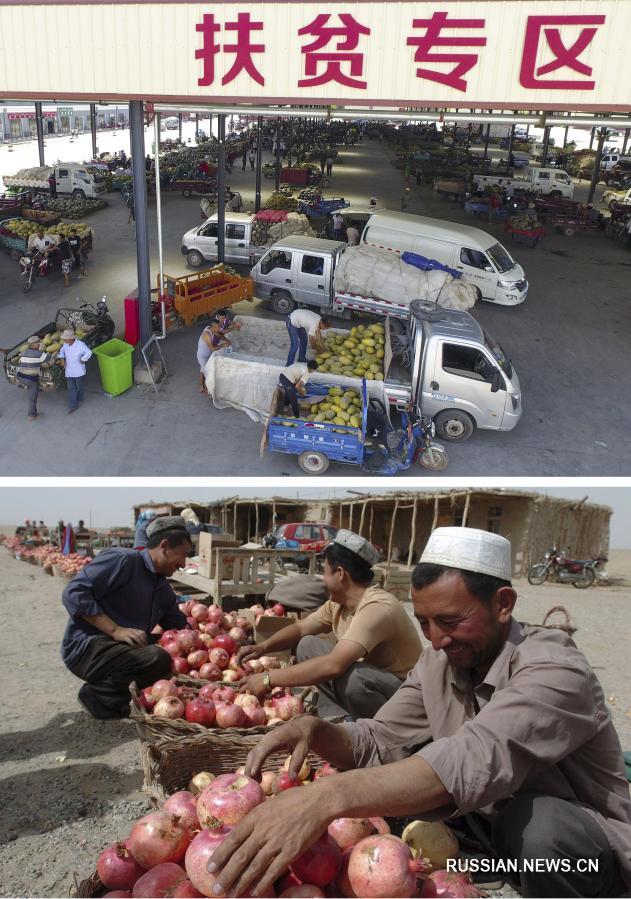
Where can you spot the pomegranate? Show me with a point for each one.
(279, 610)
(308, 890)
(382, 865)
(199, 782)
(180, 665)
(224, 694)
(238, 635)
(117, 868)
(119, 893)
(230, 716)
(380, 825)
(212, 628)
(210, 671)
(188, 641)
(200, 711)
(320, 864)
(163, 688)
(243, 623)
(215, 614)
(194, 673)
(193, 623)
(173, 648)
(197, 658)
(257, 608)
(305, 769)
(146, 699)
(244, 699)
(288, 707)
(167, 879)
(169, 707)
(342, 882)
(230, 677)
(168, 637)
(229, 620)
(224, 641)
(269, 663)
(228, 799)
(184, 805)
(199, 611)
(325, 771)
(254, 665)
(157, 838)
(348, 831)
(255, 716)
(287, 881)
(268, 779)
(219, 657)
(285, 781)
(199, 854)
(449, 883)
(433, 840)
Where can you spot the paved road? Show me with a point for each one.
(568, 341)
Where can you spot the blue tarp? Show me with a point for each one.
(428, 265)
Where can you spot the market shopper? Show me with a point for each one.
(67, 259)
(405, 199)
(305, 329)
(338, 226)
(376, 643)
(252, 157)
(31, 360)
(211, 340)
(329, 165)
(52, 185)
(140, 536)
(114, 604)
(72, 356)
(352, 235)
(500, 721)
(292, 380)
(77, 252)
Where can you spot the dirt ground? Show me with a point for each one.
(70, 785)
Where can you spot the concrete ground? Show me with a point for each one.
(567, 342)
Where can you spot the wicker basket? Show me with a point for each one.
(152, 729)
(89, 887)
(169, 767)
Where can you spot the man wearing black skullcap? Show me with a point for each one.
(114, 604)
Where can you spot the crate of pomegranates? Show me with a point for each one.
(167, 851)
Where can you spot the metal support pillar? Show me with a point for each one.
(591, 138)
(95, 149)
(511, 139)
(156, 138)
(259, 162)
(567, 128)
(278, 161)
(221, 189)
(39, 124)
(196, 127)
(486, 139)
(602, 133)
(546, 142)
(625, 141)
(179, 126)
(139, 183)
(289, 141)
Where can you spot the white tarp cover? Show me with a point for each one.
(373, 272)
(246, 381)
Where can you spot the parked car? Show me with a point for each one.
(314, 535)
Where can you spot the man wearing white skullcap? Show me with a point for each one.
(374, 645)
(501, 722)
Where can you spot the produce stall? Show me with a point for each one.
(18, 234)
(67, 208)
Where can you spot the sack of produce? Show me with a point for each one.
(381, 274)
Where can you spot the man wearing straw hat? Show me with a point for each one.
(72, 356)
(502, 722)
(114, 604)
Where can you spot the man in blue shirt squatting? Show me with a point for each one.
(114, 604)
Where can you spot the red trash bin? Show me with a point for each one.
(132, 318)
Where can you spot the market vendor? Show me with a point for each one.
(500, 721)
(292, 381)
(305, 328)
(375, 642)
(114, 604)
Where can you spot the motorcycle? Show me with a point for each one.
(33, 265)
(89, 316)
(270, 541)
(557, 566)
(389, 451)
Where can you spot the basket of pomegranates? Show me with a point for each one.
(167, 851)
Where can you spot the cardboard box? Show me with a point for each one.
(208, 543)
(269, 626)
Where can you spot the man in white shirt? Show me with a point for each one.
(305, 327)
(73, 355)
(338, 227)
(352, 235)
(292, 380)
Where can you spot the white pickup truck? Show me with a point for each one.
(73, 178)
(548, 182)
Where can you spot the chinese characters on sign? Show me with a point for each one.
(340, 51)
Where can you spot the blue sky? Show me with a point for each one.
(108, 505)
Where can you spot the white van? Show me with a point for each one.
(478, 255)
(199, 245)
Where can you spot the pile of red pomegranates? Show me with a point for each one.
(167, 852)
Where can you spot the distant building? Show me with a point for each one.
(17, 121)
(401, 522)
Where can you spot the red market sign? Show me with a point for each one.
(30, 115)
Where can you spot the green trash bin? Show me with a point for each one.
(115, 365)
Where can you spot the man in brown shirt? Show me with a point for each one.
(376, 643)
(498, 719)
